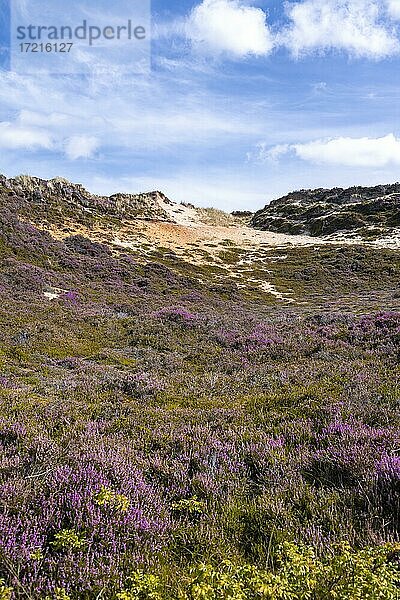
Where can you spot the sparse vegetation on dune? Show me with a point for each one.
(366, 212)
(166, 434)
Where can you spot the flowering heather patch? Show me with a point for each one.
(71, 297)
(176, 315)
(162, 439)
(262, 336)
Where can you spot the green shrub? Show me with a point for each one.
(68, 539)
(59, 594)
(142, 586)
(107, 497)
(5, 592)
(189, 506)
(298, 575)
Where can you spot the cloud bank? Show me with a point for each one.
(14, 136)
(360, 28)
(342, 151)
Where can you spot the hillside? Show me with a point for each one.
(191, 408)
(364, 212)
(213, 247)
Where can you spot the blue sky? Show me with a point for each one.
(245, 101)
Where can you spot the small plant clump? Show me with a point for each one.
(190, 506)
(66, 539)
(107, 497)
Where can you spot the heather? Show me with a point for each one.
(167, 436)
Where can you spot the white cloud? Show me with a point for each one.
(14, 136)
(234, 28)
(81, 146)
(352, 26)
(394, 8)
(265, 154)
(345, 151)
(229, 27)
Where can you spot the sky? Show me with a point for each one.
(240, 102)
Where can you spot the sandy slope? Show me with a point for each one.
(188, 237)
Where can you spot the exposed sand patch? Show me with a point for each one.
(53, 293)
(200, 244)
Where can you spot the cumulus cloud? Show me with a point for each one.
(345, 151)
(13, 136)
(352, 26)
(360, 28)
(229, 27)
(81, 146)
